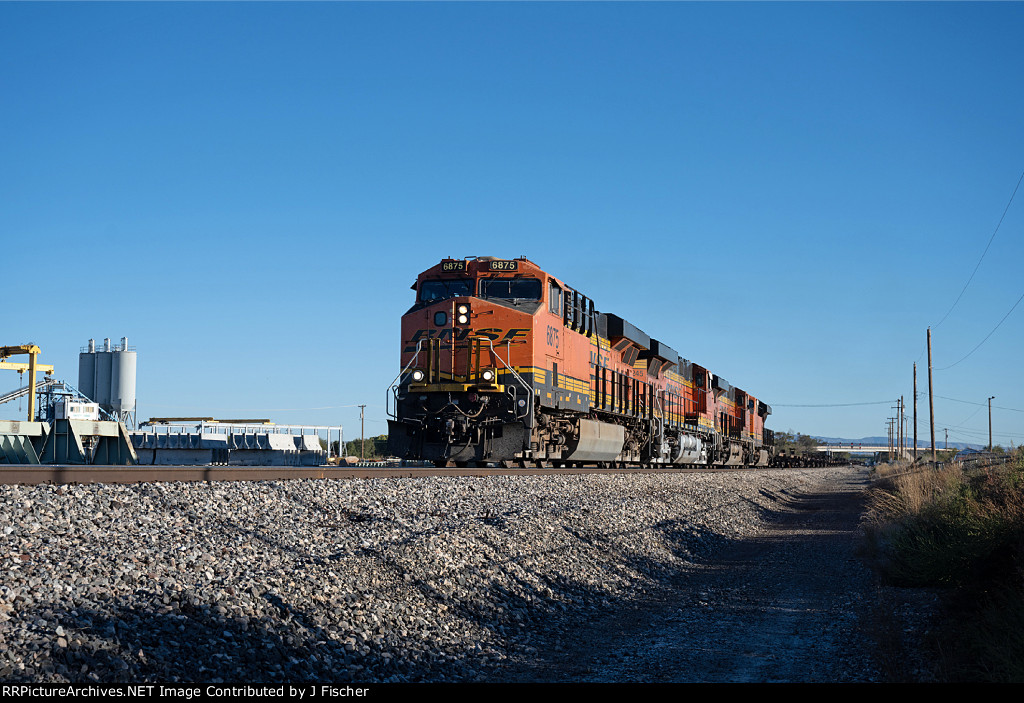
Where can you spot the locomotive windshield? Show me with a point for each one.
(510, 288)
(445, 288)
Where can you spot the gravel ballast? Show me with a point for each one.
(384, 580)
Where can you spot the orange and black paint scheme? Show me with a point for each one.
(504, 363)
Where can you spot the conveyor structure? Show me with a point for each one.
(66, 442)
(200, 441)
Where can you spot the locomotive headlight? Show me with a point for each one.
(417, 375)
(487, 375)
(462, 312)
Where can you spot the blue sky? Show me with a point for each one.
(786, 193)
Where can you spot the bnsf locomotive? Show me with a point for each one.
(502, 362)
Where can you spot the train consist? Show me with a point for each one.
(504, 363)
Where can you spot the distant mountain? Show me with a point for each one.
(884, 441)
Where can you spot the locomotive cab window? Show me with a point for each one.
(554, 298)
(510, 288)
(445, 288)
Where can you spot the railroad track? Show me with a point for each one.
(36, 474)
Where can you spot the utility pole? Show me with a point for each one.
(362, 435)
(915, 412)
(990, 423)
(894, 430)
(947, 437)
(931, 399)
(903, 413)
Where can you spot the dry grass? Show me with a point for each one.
(962, 532)
(903, 491)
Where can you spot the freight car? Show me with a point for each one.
(792, 458)
(502, 362)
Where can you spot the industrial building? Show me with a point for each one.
(96, 422)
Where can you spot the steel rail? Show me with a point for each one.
(24, 474)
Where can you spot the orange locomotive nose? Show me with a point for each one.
(466, 336)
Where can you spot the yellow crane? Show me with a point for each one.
(32, 367)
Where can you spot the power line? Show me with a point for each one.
(831, 405)
(971, 402)
(987, 335)
(976, 435)
(963, 423)
(980, 260)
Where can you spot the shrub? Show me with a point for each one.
(962, 532)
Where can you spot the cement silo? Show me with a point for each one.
(122, 381)
(107, 377)
(87, 370)
(101, 379)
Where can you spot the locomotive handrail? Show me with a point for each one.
(393, 388)
(490, 343)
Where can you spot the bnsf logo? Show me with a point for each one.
(495, 334)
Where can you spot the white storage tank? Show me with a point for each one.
(122, 374)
